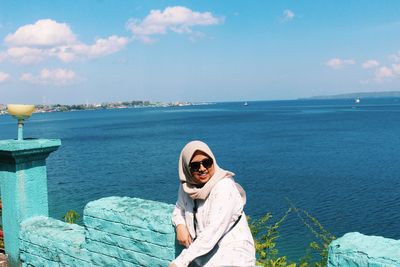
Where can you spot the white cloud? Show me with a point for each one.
(337, 63)
(48, 76)
(396, 68)
(47, 38)
(27, 77)
(383, 73)
(25, 55)
(379, 73)
(4, 76)
(178, 19)
(287, 15)
(63, 53)
(3, 56)
(102, 46)
(370, 64)
(44, 32)
(395, 57)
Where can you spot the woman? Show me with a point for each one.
(209, 218)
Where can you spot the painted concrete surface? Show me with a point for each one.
(114, 234)
(50, 242)
(145, 214)
(18, 151)
(358, 250)
(138, 232)
(23, 180)
(117, 231)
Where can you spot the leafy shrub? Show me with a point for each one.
(71, 216)
(266, 234)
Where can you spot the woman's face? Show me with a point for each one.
(203, 174)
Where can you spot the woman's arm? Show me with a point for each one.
(178, 219)
(226, 206)
(178, 215)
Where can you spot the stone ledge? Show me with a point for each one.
(28, 144)
(46, 239)
(52, 230)
(140, 213)
(132, 245)
(27, 150)
(355, 249)
(117, 231)
(102, 251)
(129, 231)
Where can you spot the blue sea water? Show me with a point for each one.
(337, 160)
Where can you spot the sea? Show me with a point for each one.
(334, 159)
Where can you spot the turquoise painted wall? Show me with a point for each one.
(122, 231)
(358, 250)
(117, 231)
(23, 180)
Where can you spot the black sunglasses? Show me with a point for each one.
(195, 166)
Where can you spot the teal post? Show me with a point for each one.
(23, 181)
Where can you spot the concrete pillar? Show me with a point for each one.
(23, 179)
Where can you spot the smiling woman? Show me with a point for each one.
(209, 218)
(201, 167)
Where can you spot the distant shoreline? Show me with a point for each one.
(43, 108)
(386, 94)
(113, 105)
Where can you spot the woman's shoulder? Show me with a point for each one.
(226, 189)
(225, 184)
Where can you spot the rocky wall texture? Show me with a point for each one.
(117, 231)
(358, 250)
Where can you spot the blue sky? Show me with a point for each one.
(100, 51)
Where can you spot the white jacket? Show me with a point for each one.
(215, 217)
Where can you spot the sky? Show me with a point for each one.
(93, 51)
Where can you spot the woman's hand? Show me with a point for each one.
(183, 236)
(172, 265)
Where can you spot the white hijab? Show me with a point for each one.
(188, 183)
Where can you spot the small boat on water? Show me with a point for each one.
(357, 100)
(245, 104)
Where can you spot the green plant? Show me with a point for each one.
(71, 216)
(265, 237)
(266, 234)
(322, 236)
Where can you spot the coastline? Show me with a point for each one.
(111, 105)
